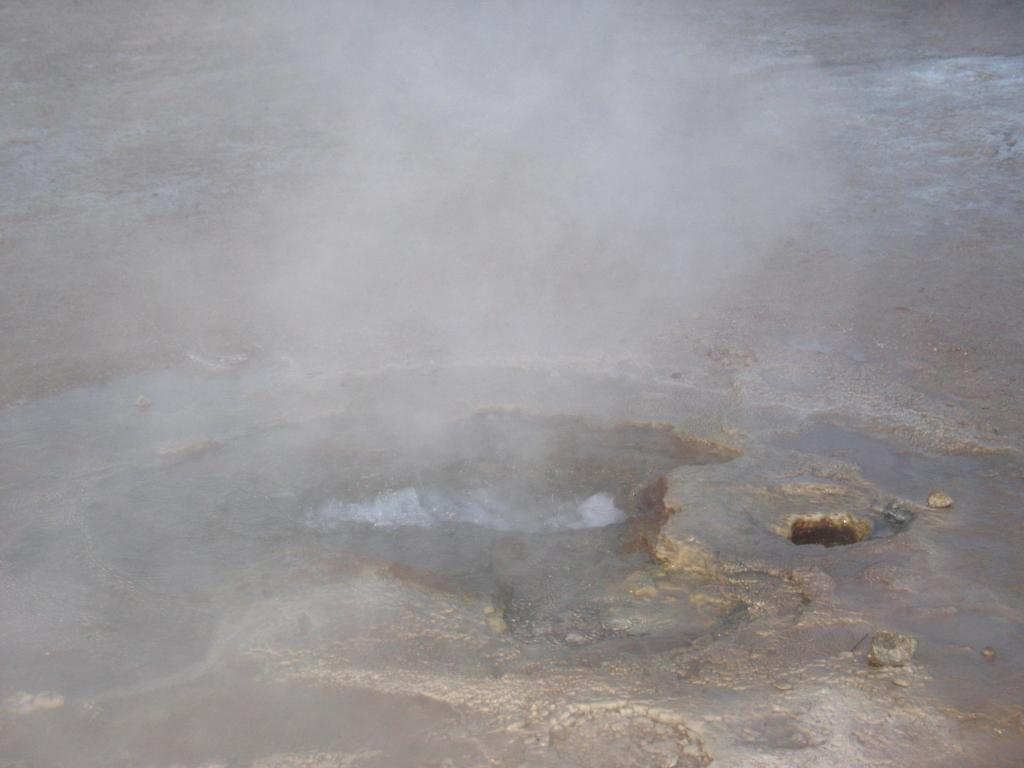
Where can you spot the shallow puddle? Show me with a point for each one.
(900, 470)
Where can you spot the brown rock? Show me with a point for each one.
(889, 649)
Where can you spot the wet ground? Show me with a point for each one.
(246, 520)
(176, 595)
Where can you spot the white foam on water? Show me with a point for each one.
(598, 511)
(426, 507)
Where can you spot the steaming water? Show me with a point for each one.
(265, 564)
(427, 507)
(264, 512)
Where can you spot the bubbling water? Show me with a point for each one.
(429, 507)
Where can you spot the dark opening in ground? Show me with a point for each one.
(828, 530)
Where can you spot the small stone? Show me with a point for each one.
(782, 687)
(889, 649)
(939, 500)
(143, 403)
(988, 653)
(901, 682)
(898, 514)
(575, 638)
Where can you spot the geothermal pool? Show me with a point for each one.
(612, 384)
(276, 572)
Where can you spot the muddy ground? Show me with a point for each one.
(178, 410)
